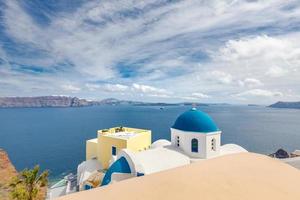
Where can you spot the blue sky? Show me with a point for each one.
(155, 50)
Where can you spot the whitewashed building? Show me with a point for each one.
(194, 137)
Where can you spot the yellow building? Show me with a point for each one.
(110, 141)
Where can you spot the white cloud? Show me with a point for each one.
(189, 98)
(185, 46)
(149, 90)
(250, 82)
(200, 95)
(115, 87)
(196, 96)
(71, 88)
(92, 87)
(252, 62)
(221, 77)
(134, 89)
(276, 71)
(19, 24)
(260, 46)
(260, 55)
(259, 93)
(160, 95)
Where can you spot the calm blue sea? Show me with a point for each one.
(55, 137)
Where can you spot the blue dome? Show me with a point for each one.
(195, 121)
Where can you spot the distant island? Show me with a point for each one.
(65, 101)
(282, 104)
(43, 101)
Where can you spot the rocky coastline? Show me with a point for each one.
(282, 104)
(7, 172)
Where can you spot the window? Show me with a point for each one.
(113, 151)
(140, 174)
(177, 141)
(194, 145)
(213, 144)
(87, 187)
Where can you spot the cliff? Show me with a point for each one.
(281, 104)
(43, 101)
(65, 101)
(7, 172)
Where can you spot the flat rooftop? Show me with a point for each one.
(122, 135)
(246, 176)
(122, 132)
(95, 140)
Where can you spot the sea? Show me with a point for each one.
(54, 138)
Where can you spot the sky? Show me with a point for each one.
(210, 51)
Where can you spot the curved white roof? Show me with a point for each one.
(230, 149)
(160, 143)
(162, 157)
(158, 159)
(86, 168)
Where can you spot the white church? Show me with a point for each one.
(194, 137)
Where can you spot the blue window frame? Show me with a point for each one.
(113, 151)
(87, 187)
(140, 174)
(194, 145)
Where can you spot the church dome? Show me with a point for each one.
(195, 121)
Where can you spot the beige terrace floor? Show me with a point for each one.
(233, 177)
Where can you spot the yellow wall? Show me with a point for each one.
(91, 148)
(101, 147)
(105, 148)
(140, 142)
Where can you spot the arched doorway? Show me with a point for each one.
(194, 145)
